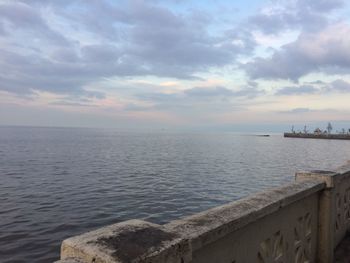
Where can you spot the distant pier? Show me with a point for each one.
(317, 136)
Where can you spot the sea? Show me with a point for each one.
(59, 182)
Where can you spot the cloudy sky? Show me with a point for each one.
(175, 64)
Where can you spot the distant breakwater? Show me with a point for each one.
(317, 136)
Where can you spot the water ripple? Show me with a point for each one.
(56, 183)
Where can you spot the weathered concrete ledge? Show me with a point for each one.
(299, 222)
(210, 225)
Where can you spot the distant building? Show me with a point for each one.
(329, 128)
(317, 131)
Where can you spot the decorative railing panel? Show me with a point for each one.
(287, 236)
(342, 207)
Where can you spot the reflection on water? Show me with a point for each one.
(58, 182)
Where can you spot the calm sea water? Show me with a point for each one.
(59, 182)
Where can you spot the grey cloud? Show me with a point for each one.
(297, 90)
(24, 74)
(252, 83)
(240, 40)
(100, 53)
(310, 15)
(2, 29)
(323, 6)
(65, 55)
(316, 82)
(274, 23)
(208, 92)
(160, 97)
(176, 102)
(311, 52)
(200, 98)
(170, 45)
(49, 2)
(297, 110)
(316, 87)
(271, 23)
(287, 63)
(137, 38)
(339, 85)
(136, 107)
(144, 38)
(166, 43)
(82, 98)
(300, 110)
(303, 110)
(71, 104)
(23, 17)
(251, 90)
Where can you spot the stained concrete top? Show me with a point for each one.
(129, 241)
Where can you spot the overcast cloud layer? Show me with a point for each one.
(173, 58)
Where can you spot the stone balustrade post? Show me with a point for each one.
(326, 213)
(334, 209)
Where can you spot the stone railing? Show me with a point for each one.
(300, 222)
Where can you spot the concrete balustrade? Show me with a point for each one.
(301, 222)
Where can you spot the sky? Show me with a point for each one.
(217, 65)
